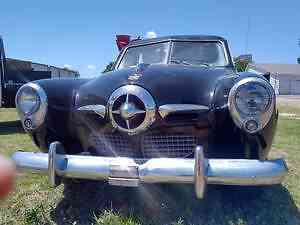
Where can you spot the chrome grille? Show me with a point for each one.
(147, 146)
(171, 146)
(112, 145)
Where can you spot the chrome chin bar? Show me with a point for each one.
(123, 171)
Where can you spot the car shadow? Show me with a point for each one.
(11, 127)
(166, 204)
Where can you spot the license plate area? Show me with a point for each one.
(124, 175)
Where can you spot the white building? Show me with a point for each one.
(285, 78)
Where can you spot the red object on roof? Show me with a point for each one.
(122, 41)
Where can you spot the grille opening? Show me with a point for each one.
(178, 117)
(145, 146)
(171, 146)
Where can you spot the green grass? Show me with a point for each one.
(33, 202)
(289, 106)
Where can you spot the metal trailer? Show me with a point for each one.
(14, 73)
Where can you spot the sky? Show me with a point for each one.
(81, 34)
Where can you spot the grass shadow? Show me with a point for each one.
(11, 127)
(165, 204)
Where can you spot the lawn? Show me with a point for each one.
(33, 202)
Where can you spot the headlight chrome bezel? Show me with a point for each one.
(239, 118)
(19, 101)
(35, 117)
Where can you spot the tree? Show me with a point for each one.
(109, 67)
(241, 65)
(241, 62)
(298, 60)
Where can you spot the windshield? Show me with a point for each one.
(149, 54)
(207, 53)
(198, 53)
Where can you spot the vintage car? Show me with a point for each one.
(173, 110)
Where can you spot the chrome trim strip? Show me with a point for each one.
(165, 110)
(98, 109)
(125, 171)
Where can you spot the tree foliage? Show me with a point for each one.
(241, 65)
(298, 60)
(109, 67)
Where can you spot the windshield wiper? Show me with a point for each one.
(178, 61)
(201, 63)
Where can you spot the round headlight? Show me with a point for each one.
(251, 103)
(31, 104)
(28, 100)
(252, 98)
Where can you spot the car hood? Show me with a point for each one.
(168, 84)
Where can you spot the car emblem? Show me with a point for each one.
(134, 77)
(128, 111)
(131, 109)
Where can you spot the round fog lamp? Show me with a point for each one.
(251, 125)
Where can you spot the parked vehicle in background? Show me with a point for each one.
(173, 110)
(14, 73)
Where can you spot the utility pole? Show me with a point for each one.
(298, 59)
(247, 35)
(2, 69)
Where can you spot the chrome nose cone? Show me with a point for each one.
(131, 109)
(128, 111)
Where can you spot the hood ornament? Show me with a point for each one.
(131, 109)
(134, 77)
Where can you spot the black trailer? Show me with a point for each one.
(15, 73)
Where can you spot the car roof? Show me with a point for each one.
(177, 38)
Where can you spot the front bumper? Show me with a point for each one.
(129, 172)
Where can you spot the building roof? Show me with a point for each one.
(177, 37)
(291, 69)
(41, 64)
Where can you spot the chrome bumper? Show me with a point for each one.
(126, 172)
